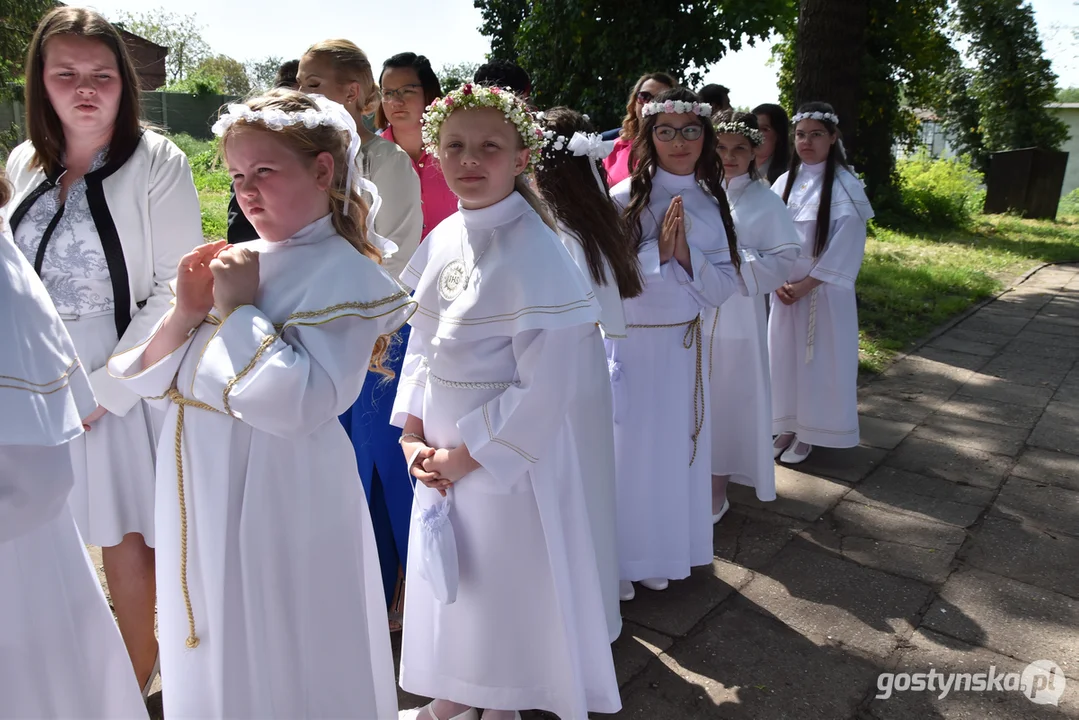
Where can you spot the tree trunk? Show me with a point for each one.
(831, 44)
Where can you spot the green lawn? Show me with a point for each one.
(911, 283)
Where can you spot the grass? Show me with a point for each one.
(912, 283)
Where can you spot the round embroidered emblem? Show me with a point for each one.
(451, 281)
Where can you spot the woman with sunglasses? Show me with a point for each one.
(617, 164)
(681, 225)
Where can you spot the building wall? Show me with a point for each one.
(1069, 114)
(149, 60)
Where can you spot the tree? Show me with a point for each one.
(234, 80)
(181, 34)
(1068, 95)
(450, 77)
(18, 20)
(587, 53)
(262, 73)
(1007, 88)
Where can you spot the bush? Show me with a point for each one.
(941, 193)
(1069, 204)
(206, 167)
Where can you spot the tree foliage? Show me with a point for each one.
(262, 73)
(233, 74)
(587, 53)
(1068, 95)
(181, 34)
(999, 102)
(450, 77)
(18, 20)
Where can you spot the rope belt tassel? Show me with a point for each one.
(692, 338)
(182, 404)
(812, 331)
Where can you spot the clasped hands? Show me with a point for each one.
(672, 236)
(215, 275)
(440, 468)
(791, 293)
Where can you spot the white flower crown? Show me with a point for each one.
(470, 96)
(676, 107)
(278, 119)
(755, 136)
(826, 116)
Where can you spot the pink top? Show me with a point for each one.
(617, 163)
(438, 201)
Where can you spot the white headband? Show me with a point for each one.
(676, 107)
(329, 114)
(827, 116)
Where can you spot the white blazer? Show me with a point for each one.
(152, 206)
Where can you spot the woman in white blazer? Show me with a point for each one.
(104, 210)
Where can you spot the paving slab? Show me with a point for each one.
(1047, 466)
(1021, 368)
(853, 519)
(967, 432)
(999, 324)
(949, 341)
(1042, 338)
(955, 463)
(881, 433)
(901, 399)
(924, 371)
(634, 649)
(846, 464)
(1053, 326)
(925, 565)
(1043, 348)
(929, 652)
(991, 411)
(1058, 428)
(927, 497)
(819, 594)
(1046, 507)
(1009, 617)
(996, 340)
(751, 538)
(799, 495)
(999, 390)
(1027, 554)
(958, 359)
(745, 665)
(677, 609)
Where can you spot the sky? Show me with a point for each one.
(446, 31)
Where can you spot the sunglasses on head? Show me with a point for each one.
(645, 97)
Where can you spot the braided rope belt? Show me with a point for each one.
(691, 339)
(812, 330)
(182, 404)
(467, 385)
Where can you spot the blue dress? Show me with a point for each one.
(382, 464)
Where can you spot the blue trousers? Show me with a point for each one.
(382, 464)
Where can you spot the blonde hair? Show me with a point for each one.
(522, 185)
(310, 143)
(350, 64)
(5, 189)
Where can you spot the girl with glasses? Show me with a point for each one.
(680, 223)
(813, 328)
(618, 163)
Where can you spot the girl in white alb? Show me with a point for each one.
(686, 243)
(813, 328)
(738, 330)
(270, 600)
(490, 378)
(573, 184)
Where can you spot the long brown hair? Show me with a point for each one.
(350, 64)
(747, 119)
(630, 124)
(42, 123)
(567, 183)
(309, 143)
(709, 173)
(836, 156)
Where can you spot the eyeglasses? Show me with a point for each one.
(645, 97)
(811, 136)
(403, 93)
(666, 133)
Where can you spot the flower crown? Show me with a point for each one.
(755, 136)
(826, 116)
(677, 107)
(470, 96)
(278, 119)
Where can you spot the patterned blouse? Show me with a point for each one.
(73, 269)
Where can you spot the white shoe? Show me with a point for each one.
(153, 676)
(626, 591)
(656, 584)
(796, 453)
(778, 449)
(469, 714)
(722, 511)
(516, 714)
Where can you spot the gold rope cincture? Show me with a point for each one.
(181, 404)
(691, 338)
(811, 333)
